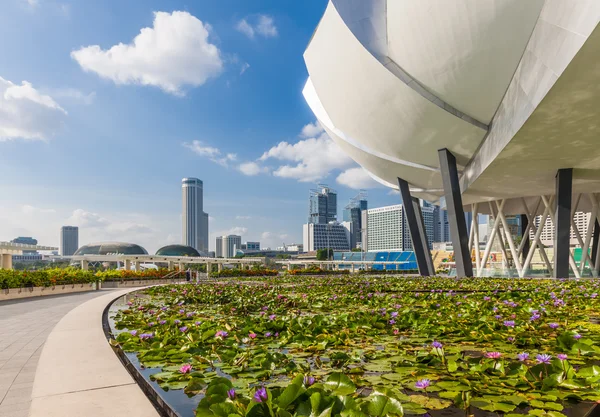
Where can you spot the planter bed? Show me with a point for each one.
(27, 292)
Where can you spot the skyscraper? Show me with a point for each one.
(195, 220)
(322, 207)
(69, 240)
(352, 214)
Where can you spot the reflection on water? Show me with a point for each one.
(177, 400)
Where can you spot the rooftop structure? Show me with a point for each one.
(470, 105)
(177, 250)
(111, 248)
(194, 219)
(322, 207)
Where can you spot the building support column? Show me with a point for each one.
(137, 266)
(171, 266)
(416, 227)
(525, 236)
(595, 243)
(562, 224)
(6, 261)
(456, 214)
(127, 264)
(85, 266)
(219, 267)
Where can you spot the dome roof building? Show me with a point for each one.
(177, 250)
(111, 248)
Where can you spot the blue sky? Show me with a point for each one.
(105, 106)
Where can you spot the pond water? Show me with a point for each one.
(179, 402)
(185, 406)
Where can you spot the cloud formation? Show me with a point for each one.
(211, 153)
(25, 113)
(252, 168)
(357, 178)
(258, 25)
(175, 52)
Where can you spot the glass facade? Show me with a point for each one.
(111, 248)
(177, 250)
(322, 206)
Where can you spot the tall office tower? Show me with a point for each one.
(219, 247)
(428, 211)
(352, 214)
(69, 240)
(231, 243)
(386, 229)
(195, 220)
(332, 235)
(322, 207)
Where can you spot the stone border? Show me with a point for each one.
(159, 403)
(27, 292)
(78, 374)
(136, 283)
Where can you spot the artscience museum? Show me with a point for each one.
(488, 106)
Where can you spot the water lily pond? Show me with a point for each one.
(357, 347)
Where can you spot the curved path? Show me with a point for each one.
(24, 326)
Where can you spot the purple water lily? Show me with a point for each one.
(562, 356)
(422, 383)
(221, 333)
(543, 358)
(493, 355)
(146, 336)
(509, 323)
(231, 394)
(186, 369)
(523, 356)
(576, 336)
(553, 325)
(183, 329)
(133, 332)
(436, 345)
(162, 322)
(261, 395)
(309, 380)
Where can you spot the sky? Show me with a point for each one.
(106, 106)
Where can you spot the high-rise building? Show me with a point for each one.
(195, 220)
(250, 246)
(547, 235)
(385, 228)
(219, 247)
(69, 240)
(332, 235)
(230, 245)
(26, 240)
(322, 207)
(352, 214)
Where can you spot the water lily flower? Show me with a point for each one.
(151, 324)
(576, 336)
(534, 317)
(493, 355)
(486, 298)
(177, 321)
(422, 383)
(543, 358)
(261, 395)
(272, 317)
(186, 369)
(162, 322)
(394, 314)
(309, 380)
(392, 321)
(562, 356)
(181, 311)
(437, 345)
(183, 329)
(133, 332)
(231, 394)
(510, 339)
(553, 325)
(523, 356)
(509, 323)
(145, 336)
(268, 334)
(221, 333)
(396, 331)
(252, 335)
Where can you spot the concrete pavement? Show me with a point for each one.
(24, 328)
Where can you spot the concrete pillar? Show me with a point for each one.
(562, 224)
(208, 267)
(219, 267)
(6, 261)
(127, 264)
(85, 265)
(180, 267)
(456, 214)
(416, 227)
(352, 270)
(171, 266)
(137, 266)
(525, 236)
(595, 244)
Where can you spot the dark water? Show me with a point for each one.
(183, 405)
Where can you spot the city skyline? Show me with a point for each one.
(135, 139)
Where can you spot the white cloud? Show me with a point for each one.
(245, 66)
(314, 158)
(393, 192)
(243, 217)
(312, 130)
(27, 209)
(262, 25)
(107, 229)
(266, 235)
(32, 3)
(211, 153)
(84, 218)
(173, 53)
(357, 178)
(252, 169)
(74, 95)
(26, 113)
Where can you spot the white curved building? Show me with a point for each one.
(510, 88)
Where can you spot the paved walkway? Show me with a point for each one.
(24, 327)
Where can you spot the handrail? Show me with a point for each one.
(172, 274)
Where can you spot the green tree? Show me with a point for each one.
(322, 254)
